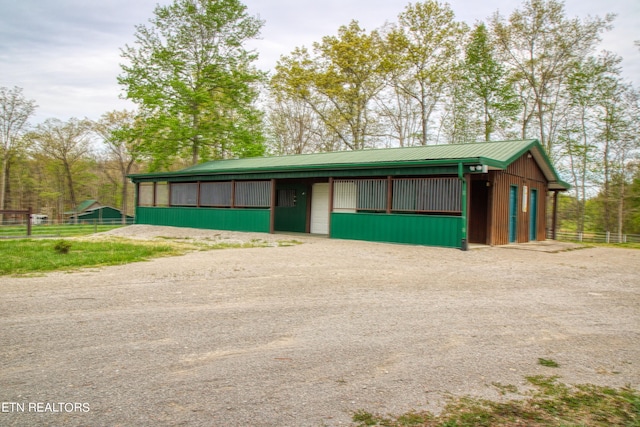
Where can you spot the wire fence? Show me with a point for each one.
(595, 237)
(51, 228)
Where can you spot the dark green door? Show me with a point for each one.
(291, 207)
(513, 213)
(533, 218)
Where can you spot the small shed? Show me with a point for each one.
(83, 207)
(491, 193)
(103, 214)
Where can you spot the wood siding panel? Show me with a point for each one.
(523, 171)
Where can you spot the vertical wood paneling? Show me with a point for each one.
(523, 171)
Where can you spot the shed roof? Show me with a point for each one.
(496, 155)
(92, 211)
(83, 206)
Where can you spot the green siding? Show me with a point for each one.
(430, 230)
(211, 218)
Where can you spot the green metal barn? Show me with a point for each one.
(491, 193)
(103, 215)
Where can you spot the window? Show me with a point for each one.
(145, 194)
(427, 195)
(372, 194)
(345, 196)
(253, 193)
(162, 194)
(215, 194)
(360, 195)
(286, 198)
(184, 194)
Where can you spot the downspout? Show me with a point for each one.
(464, 245)
(136, 193)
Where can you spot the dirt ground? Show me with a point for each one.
(305, 335)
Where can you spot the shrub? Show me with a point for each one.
(62, 247)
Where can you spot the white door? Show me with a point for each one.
(320, 208)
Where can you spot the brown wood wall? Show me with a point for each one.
(523, 171)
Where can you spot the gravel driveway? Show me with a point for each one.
(305, 335)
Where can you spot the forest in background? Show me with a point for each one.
(422, 79)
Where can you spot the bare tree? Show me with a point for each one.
(540, 44)
(65, 142)
(15, 111)
(120, 132)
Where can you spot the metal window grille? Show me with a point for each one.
(253, 193)
(162, 194)
(360, 194)
(145, 194)
(184, 194)
(215, 193)
(427, 195)
(372, 194)
(345, 195)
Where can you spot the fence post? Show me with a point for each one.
(580, 236)
(607, 237)
(29, 221)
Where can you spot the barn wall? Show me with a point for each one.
(522, 172)
(217, 219)
(429, 230)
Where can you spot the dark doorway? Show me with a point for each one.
(478, 212)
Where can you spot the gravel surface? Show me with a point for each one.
(305, 335)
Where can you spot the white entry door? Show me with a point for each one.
(320, 208)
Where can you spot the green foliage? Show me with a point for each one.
(338, 82)
(423, 50)
(194, 82)
(486, 79)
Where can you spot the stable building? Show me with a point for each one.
(492, 193)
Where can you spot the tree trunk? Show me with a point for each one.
(72, 193)
(3, 185)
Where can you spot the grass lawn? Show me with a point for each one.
(550, 403)
(62, 230)
(26, 256)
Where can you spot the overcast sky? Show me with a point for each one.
(65, 54)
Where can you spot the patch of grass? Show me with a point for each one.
(284, 243)
(550, 403)
(549, 363)
(207, 244)
(628, 245)
(504, 389)
(25, 256)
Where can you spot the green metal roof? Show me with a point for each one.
(82, 206)
(496, 155)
